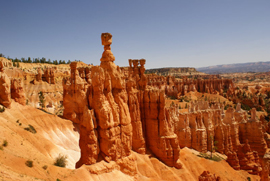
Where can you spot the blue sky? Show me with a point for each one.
(173, 33)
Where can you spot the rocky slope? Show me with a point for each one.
(35, 78)
(56, 136)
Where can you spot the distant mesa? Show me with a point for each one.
(237, 68)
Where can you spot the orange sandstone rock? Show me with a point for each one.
(165, 144)
(5, 99)
(96, 99)
(207, 176)
(248, 160)
(252, 130)
(76, 109)
(48, 75)
(17, 92)
(39, 74)
(178, 87)
(138, 142)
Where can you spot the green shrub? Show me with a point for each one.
(45, 167)
(31, 129)
(172, 97)
(214, 157)
(2, 109)
(41, 99)
(5, 143)
(226, 107)
(186, 99)
(245, 107)
(61, 161)
(29, 163)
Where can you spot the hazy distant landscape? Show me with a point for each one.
(238, 67)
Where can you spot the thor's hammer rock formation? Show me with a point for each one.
(116, 114)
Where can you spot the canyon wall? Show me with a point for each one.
(10, 88)
(5, 98)
(230, 132)
(173, 71)
(175, 87)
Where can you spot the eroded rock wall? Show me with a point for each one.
(17, 91)
(5, 98)
(233, 134)
(10, 88)
(177, 87)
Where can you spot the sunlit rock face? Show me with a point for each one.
(233, 134)
(17, 91)
(178, 87)
(5, 98)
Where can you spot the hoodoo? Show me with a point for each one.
(117, 113)
(5, 98)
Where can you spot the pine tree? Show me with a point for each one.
(29, 60)
(213, 145)
(41, 99)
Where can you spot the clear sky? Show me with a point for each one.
(172, 33)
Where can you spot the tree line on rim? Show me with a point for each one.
(37, 60)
